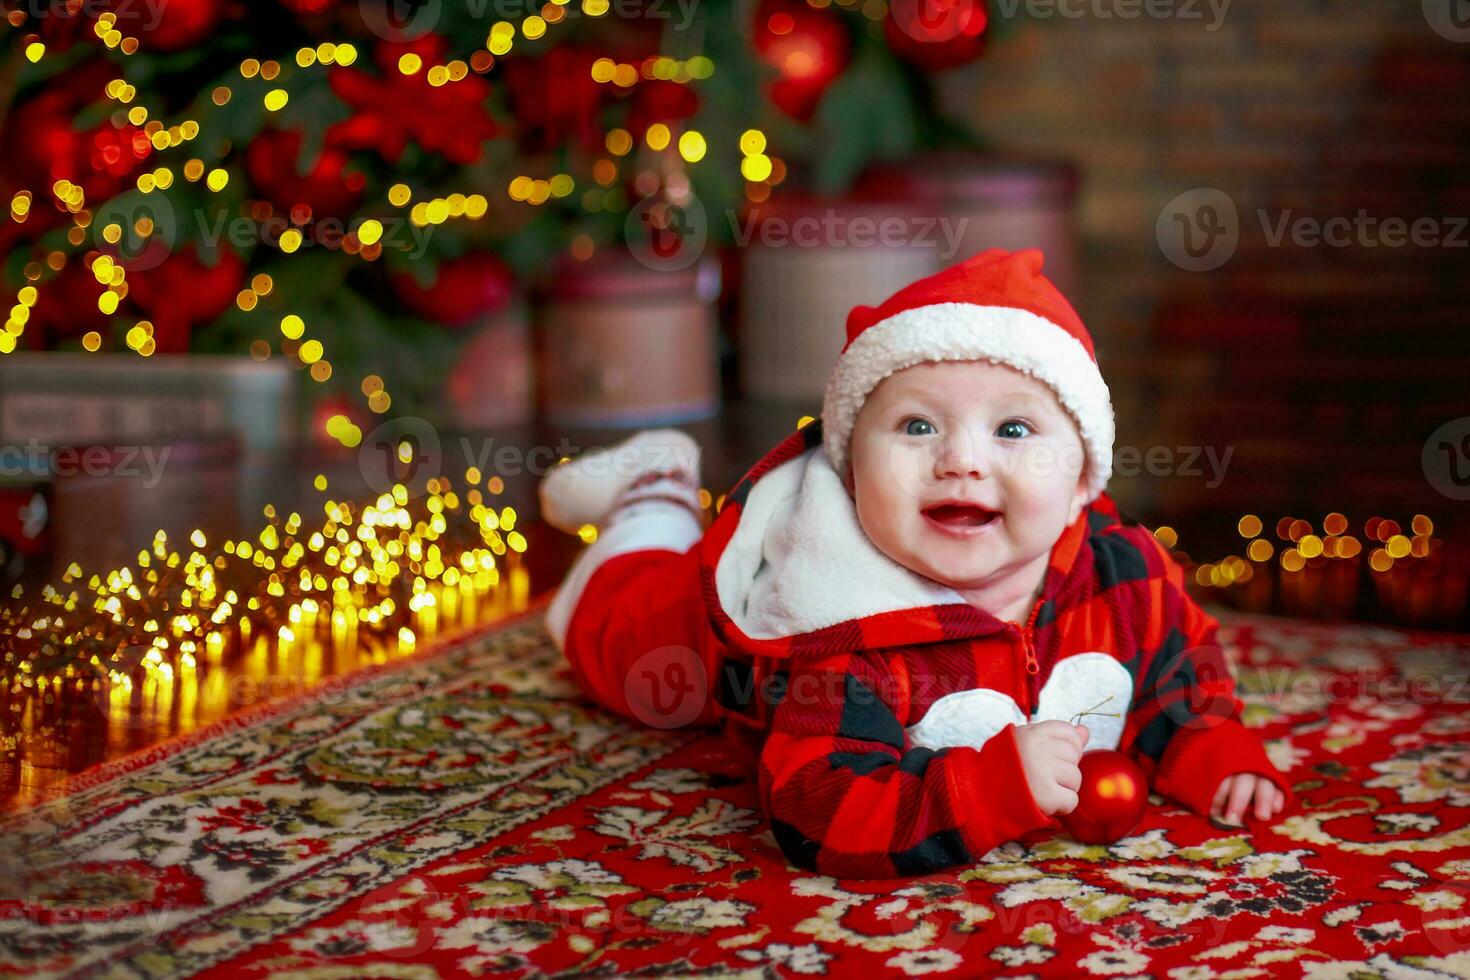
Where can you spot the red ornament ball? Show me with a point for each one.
(336, 403)
(1112, 799)
(331, 188)
(465, 289)
(936, 34)
(170, 26)
(809, 48)
(309, 8)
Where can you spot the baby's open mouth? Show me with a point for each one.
(959, 515)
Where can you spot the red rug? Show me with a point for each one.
(467, 814)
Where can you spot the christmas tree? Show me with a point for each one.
(350, 184)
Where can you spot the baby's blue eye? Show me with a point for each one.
(910, 430)
(1008, 429)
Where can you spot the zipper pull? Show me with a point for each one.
(1028, 636)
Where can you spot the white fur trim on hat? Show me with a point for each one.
(1017, 338)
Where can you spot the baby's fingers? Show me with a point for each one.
(1266, 794)
(1240, 795)
(1219, 800)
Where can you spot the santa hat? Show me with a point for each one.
(993, 306)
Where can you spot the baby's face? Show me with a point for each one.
(972, 431)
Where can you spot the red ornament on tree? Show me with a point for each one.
(327, 189)
(467, 288)
(336, 403)
(808, 47)
(1111, 801)
(170, 26)
(309, 8)
(936, 34)
(46, 146)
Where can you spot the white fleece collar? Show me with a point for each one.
(800, 561)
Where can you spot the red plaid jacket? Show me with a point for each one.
(849, 727)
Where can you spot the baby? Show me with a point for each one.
(916, 614)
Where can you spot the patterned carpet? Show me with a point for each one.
(466, 814)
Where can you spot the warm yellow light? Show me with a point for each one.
(619, 142)
(692, 146)
(756, 167)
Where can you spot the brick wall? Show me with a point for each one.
(1324, 367)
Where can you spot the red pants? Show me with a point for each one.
(630, 618)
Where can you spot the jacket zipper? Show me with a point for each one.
(1027, 635)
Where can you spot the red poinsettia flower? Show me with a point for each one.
(391, 108)
(185, 291)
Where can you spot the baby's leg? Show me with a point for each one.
(630, 615)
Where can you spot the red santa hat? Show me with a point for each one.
(994, 306)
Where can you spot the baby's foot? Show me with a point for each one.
(676, 487)
(653, 464)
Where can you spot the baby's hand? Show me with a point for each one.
(1049, 754)
(1235, 793)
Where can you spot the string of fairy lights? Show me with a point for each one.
(1301, 546)
(392, 572)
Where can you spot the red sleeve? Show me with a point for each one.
(1187, 718)
(848, 798)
